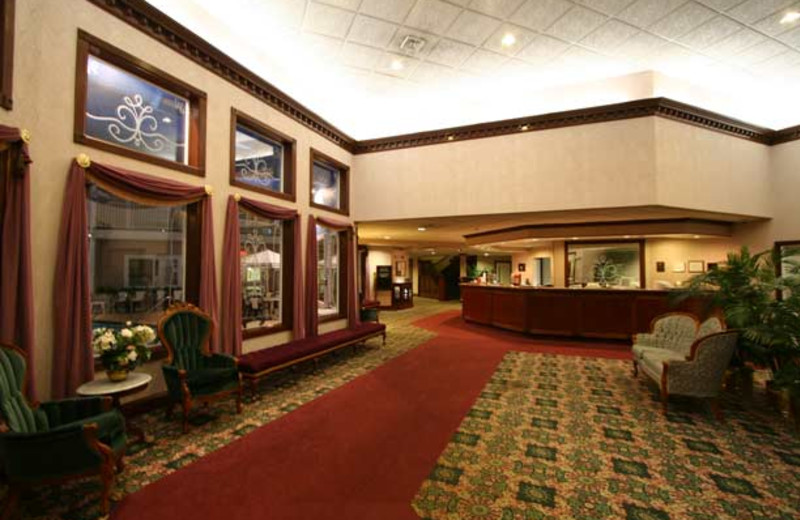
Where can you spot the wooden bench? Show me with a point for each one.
(258, 364)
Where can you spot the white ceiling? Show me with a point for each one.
(336, 56)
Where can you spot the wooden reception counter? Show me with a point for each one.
(596, 313)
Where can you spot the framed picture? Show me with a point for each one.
(521, 268)
(678, 267)
(400, 268)
(697, 266)
(712, 265)
(660, 267)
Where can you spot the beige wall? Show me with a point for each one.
(680, 251)
(600, 165)
(44, 86)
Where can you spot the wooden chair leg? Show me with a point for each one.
(12, 500)
(186, 407)
(107, 481)
(384, 339)
(120, 463)
(239, 396)
(635, 368)
(664, 401)
(716, 409)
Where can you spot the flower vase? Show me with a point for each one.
(117, 376)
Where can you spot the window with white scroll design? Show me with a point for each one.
(128, 107)
(124, 110)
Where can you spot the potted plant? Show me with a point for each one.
(122, 350)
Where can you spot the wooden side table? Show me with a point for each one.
(135, 383)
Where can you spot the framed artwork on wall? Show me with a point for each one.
(400, 268)
(660, 267)
(521, 268)
(679, 267)
(697, 266)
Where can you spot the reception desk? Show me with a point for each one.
(591, 313)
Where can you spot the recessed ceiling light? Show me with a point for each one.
(790, 17)
(422, 228)
(697, 236)
(524, 128)
(397, 65)
(450, 137)
(574, 238)
(485, 254)
(627, 236)
(386, 237)
(508, 40)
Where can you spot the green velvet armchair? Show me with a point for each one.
(54, 441)
(192, 372)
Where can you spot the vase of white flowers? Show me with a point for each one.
(122, 350)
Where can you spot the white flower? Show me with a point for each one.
(132, 355)
(126, 333)
(128, 323)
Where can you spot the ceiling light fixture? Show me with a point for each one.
(697, 236)
(386, 237)
(450, 137)
(524, 128)
(485, 254)
(508, 40)
(422, 228)
(790, 17)
(397, 65)
(574, 238)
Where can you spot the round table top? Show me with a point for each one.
(102, 386)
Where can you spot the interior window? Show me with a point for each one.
(262, 256)
(604, 265)
(326, 185)
(328, 274)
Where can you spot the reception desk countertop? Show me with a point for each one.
(585, 312)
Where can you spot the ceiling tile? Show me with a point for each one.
(682, 20)
(542, 48)
(330, 21)
(710, 32)
(780, 64)
(608, 36)
(576, 23)
(361, 56)
(522, 38)
(758, 53)
(371, 31)
(432, 15)
(640, 46)
(609, 7)
(754, 10)
(391, 10)
(644, 13)
(450, 53)
(352, 5)
(324, 46)
(472, 28)
(792, 38)
(721, 5)
(496, 8)
(483, 62)
(402, 32)
(735, 43)
(772, 24)
(540, 14)
(387, 61)
(431, 73)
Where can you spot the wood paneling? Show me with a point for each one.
(591, 313)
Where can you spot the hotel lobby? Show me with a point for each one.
(400, 259)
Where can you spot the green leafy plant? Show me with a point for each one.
(763, 304)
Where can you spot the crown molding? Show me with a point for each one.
(161, 27)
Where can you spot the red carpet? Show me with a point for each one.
(358, 452)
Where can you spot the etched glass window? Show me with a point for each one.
(137, 255)
(261, 254)
(259, 160)
(604, 265)
(328, 274)
(125, 110)
(326, 185)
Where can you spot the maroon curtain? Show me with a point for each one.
(73, 362)
(16, 287)
(232, 276)
(353, 318)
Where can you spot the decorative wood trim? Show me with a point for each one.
(91, 45)
(344, 182)
(239, 118)
(161, 27)
(7, 8)
(786, 135)
(662, 107)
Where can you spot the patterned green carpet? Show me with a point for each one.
(557, 437)
(219, 425)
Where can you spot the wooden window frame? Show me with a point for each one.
(196, 151)
(344, 293)
(642, 262)
(287, 289)
(7, 9)
(239, 118)
(344, 182)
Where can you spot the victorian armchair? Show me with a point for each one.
(671, 335)
(700, 375)
(192, 372)
(54, 441)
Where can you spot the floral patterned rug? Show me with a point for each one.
(218, 425)
(557, 437)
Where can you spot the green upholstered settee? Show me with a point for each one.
(700, 374)
(672, 336)
(192, 372)
(54, 441)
